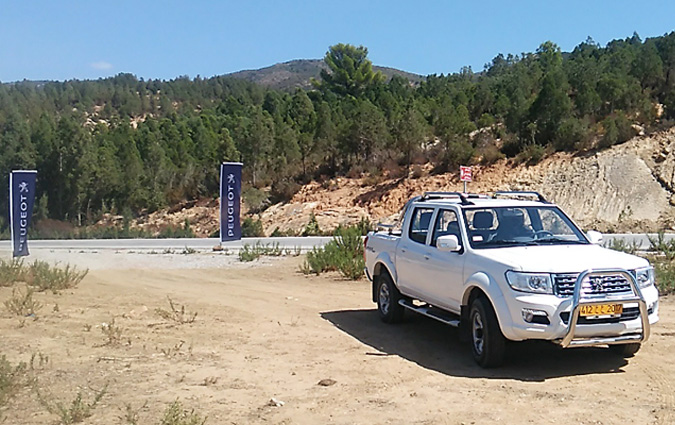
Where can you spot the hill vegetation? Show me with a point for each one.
(128, 146)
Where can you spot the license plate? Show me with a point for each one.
(601, 310)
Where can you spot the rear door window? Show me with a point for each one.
(419, 224)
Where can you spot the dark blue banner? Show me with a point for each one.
(230, 201)
(21, 200)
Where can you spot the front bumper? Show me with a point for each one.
(559, 313)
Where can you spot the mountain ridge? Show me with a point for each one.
(297, 73)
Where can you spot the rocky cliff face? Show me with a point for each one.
(626, 188)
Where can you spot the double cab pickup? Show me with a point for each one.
(512, 266)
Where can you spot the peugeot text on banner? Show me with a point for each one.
(230, 200)
(21, 200)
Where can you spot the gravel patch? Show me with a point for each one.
(143, 259)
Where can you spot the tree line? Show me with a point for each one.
(127, 146)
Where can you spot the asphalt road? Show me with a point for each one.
(306, 243)
(641, 241)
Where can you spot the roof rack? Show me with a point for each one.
(538, 195)
(440, 195)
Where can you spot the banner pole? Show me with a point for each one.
(11, 208)
(220, 219)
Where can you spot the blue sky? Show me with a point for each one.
(53, 40)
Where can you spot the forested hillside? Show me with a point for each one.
(126, 145)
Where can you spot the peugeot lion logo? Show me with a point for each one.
(597, 284)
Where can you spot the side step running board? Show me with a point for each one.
(432, 312)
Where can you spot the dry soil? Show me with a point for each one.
(268, 332)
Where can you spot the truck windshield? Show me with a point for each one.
(499, 227)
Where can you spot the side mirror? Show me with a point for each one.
(448, 243)
(594, 237)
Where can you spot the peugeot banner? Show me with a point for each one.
(21, 200)
(230, 200)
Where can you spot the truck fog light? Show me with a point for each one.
(535, 316)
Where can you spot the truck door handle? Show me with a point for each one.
(427, 256)
(402, 249)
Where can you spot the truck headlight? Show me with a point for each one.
(645, 276)
(530, 282)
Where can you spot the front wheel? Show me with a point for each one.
(387, 300)
(488, 344)
(625, 350)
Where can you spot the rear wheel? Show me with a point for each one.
(625, 350)
(488, 344)
(388, 297)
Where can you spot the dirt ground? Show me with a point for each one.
(268, 332)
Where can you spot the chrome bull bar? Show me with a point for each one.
(577, 301)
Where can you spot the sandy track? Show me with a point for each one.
(269, 332)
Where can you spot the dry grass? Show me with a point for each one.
(176, 314)
(22, 303)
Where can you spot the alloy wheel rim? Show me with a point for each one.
(478, 334)
(384, 298)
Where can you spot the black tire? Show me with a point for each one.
(625, 350)
(488, 344)
(388, 297)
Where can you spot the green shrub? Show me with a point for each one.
(532, 154)
(251, 228)
(659, 245)
(253, 252)
(622, 246)
(665, 276)
(256, 199)
(344, 253)
(312, 227)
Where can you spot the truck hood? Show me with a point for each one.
(562, 258)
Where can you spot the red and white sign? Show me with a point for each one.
(464, 174)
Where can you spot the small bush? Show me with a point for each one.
(532, 154)
(178, 315)
(77, 411)
(283, 190)
(344, 254)
(175, 414)
(250, 253)
(45, 277)
(251, 228)
(256, 199)
(112, 333)
(622, 246)
(312, 227)
(10, 380)
(665, 276)
(660, 246)
(11, 271)
(417, 172)
(22, 303)
(490, 154)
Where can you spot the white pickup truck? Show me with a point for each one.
(511, 267)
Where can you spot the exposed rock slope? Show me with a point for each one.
(626, 188)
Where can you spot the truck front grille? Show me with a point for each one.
(596, 285)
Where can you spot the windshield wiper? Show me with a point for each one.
(551, 240)
(508, 242)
